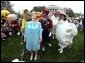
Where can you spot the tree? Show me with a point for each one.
(70, 12)
(78, 14)
(37, 8)
(7, 5)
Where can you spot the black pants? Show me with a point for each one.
(15, 31)
(45, 36)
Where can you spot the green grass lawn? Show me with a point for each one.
(11, 49)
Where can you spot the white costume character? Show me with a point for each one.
(65, 32)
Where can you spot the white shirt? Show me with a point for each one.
(55, 20)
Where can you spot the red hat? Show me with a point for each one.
(45, 12)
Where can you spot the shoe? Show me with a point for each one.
(43, 49)
(52, 37)
(70, 46)
(80, 30)
(21, 43)
(49, 44)
(49, 34)
(58, 49)
(18, 33)
(31, 57)
(3, 39)
(10, 33)
(35, 58)
(61, 51)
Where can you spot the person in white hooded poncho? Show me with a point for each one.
(54, 19)
(65, 32)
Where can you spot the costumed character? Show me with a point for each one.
(65, 32)
(47, 26)
(12, 18)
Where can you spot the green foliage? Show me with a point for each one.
(70, 12)
(7, 5)
(78, 14)
(37, 8)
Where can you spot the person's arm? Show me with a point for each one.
(25, 31)
(23, 24)
(40, 28)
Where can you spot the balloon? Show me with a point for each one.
(11, 17)
(4, 13)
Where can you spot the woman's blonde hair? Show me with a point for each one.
(34, 13)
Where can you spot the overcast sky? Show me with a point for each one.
(76, 6)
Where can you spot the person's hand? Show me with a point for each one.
(24, 39)
(40, 40)
(12, 25)
(49, 34)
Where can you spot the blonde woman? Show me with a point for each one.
(33, 36)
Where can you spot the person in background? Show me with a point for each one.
(62, 18)
(33, 36)
(81, 24)
(15, 27)
(76, 22)
(23, 23)
(39, 16)
(27, 15)
(55, 19)
(47, 26)
(4, 25)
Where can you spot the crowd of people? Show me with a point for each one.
(36, 28)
